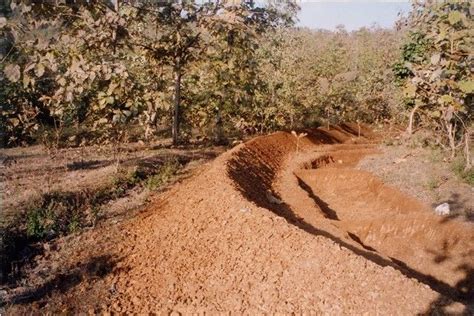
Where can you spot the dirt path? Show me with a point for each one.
(267, 229)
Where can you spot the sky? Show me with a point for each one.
(320, 14)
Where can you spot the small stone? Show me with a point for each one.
(442, 209)
(272, 199)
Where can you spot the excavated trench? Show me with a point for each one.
(319, 190)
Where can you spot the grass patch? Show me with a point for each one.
(458, 168)
(62, 213)
(435, 155)
(433, 184)
(165, 173)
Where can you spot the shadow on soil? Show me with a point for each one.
(66, 209)
(96, 268)
(253, 170)
(464, 290)
(460, 207)
(328, 212)
(89, 164)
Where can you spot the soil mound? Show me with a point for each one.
(259, 231)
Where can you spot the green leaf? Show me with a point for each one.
(454, 17)
(466, 86)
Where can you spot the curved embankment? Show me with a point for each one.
(264, 229)
(356, 210)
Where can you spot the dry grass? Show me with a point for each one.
(426, 174)
(45, 195)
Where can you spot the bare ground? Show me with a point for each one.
(28, 173)
(266, 228)
(424, 173)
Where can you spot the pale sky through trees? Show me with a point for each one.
(353, 14)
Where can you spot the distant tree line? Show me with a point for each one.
(78, 72)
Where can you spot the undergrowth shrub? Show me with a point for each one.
(62, 213)
(164, 174)
(458, 167)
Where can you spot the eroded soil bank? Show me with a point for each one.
(267, 227)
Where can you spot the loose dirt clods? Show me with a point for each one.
(339, 242)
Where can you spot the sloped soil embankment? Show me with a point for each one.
(266, 228)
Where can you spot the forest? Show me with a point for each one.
(93, 72)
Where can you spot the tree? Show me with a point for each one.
(186, 35)
(438, 81)
(101, 66)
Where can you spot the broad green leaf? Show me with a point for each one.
(466, 86)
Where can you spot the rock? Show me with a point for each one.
(442, 209)
(272, 199)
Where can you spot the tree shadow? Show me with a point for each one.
(95, 268)
(321, 136)
(182, 157)
(319, 162)
(460, 207)
(88, 165)
(465, 294)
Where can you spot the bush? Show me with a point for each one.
(458, 168)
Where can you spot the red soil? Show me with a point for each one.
(260, 230)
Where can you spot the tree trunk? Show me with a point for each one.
(218, 131)
(410, 121)
(467, 152)
(451, 131)
(177, 104)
